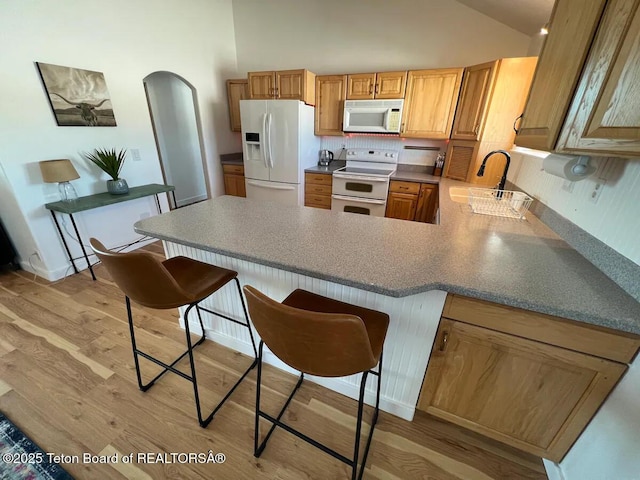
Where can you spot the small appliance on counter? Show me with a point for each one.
(437, 168)
(326, 157)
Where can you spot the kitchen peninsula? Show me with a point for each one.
(403, 268)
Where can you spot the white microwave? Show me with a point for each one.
(372, 116)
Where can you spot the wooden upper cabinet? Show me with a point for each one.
(364, 86)
(361, 86)
(571, 30)
(330, 96)
(430, 103)
(461, 155)
(261, 85)
(605, 114)
(236, 90)
(474, 97)
(283, 84)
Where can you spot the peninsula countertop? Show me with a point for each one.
(520, 263)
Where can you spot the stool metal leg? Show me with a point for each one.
(258, 447)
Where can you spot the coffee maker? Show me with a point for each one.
(326, 156)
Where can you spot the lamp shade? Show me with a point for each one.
(54, 171)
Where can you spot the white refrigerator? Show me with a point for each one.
(278, 143)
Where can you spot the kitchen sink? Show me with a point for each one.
(459, 194)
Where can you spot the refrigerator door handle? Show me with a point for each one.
(272, 187)
(269, 135)
(264, 140)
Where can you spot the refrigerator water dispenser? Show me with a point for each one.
(252, 141)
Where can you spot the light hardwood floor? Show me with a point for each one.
(67, 380)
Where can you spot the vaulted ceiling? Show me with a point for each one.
(526, 16)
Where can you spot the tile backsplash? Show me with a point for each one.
(407, 156)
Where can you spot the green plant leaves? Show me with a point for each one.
(109, 161)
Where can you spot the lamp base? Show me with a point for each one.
(67, 192)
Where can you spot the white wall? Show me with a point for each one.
(350, 36)
(608, 448)
(174, 118)
(126, 41)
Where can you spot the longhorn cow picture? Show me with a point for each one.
(77, 97)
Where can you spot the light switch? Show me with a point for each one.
(135, 155)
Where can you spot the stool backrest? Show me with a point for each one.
(323, 344)
(141, 277)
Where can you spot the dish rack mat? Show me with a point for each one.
(499, 203)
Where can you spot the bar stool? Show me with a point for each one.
(323, 337)
(176, 282)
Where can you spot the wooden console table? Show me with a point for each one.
(97, 200)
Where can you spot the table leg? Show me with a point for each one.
(157, 204)
(84, 252)
(64, 242)
(175, 203)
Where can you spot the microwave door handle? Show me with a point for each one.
(269, 135)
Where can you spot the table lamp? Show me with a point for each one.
(60, 171)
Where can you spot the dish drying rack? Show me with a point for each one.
(499, 203)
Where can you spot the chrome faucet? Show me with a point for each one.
(503, 180)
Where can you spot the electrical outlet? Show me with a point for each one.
(135, 155)
(597, 190)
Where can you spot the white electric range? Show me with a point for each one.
(362, 185)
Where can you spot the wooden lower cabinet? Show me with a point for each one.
(535, 395)
(234, 180)
(412, 201)
(317, 190)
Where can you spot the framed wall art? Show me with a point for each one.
(77, 97)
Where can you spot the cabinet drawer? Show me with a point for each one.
(320, 201)
(312, 188)
(581, 337)
(404, 187)
(233, 169)
(318, 178)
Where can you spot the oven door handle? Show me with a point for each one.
(349, 176)
(359, 200)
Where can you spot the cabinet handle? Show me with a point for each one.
(517, 130)
(277, 93)
(475, 130)
(376, 88)
(404, 188)
(370, 89)
(445, 339)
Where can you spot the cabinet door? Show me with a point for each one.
(605, 114)
(430, 103)
(571, 29)
(361, 86)
(427, 203)
(330, 96)
(401, 206)
(460, 157)
(527, 394)
(390, 85)
(261, 85)
(236, 90)
(290, 84)
(234, 185)
(474, 99)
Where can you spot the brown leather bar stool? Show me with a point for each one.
(324, 337)
(176, 282)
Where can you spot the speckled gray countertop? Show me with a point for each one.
(520, 263)
(409, 176)
(333, 166)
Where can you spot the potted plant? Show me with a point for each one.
(110, 162)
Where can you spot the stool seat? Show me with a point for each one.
(198, 279)
(375, 322)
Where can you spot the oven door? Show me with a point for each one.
(363, 206)
(363, 186)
